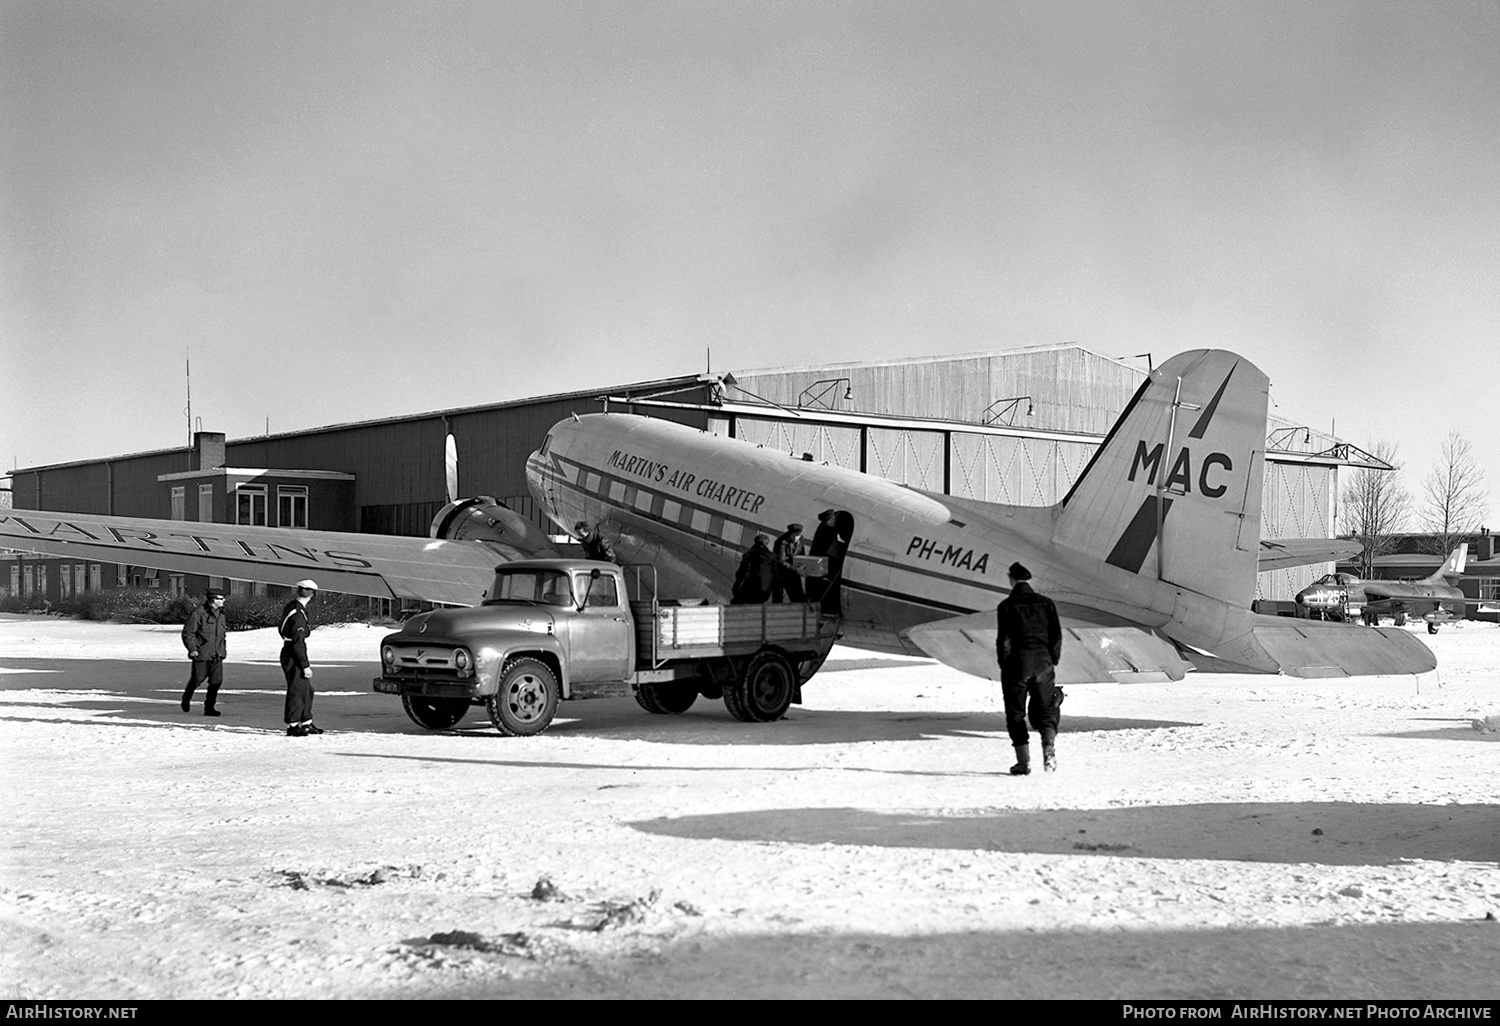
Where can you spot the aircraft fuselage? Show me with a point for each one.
(690, 504)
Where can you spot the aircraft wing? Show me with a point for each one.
(382, 566)
(1096, 647)
(1280, 553)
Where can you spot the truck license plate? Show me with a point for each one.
(388, 687)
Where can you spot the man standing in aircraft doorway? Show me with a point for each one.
(1029, 647)
(203, 634)
(295, 664)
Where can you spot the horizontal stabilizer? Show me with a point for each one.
(1316, 648)
(1092, 653)
(1281, 553)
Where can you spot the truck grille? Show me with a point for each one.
(425, 657)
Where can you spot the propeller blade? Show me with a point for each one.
(450, 465)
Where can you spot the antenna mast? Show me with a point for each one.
(189, 411)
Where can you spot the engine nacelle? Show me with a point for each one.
(484, 518)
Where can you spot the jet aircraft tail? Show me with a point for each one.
(1453, 566)
(1174, 491)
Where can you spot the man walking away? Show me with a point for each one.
(204, 637)
(1029, 647)
(294, 663)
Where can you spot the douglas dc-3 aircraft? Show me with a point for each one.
(1434, 598)
(1151, 557)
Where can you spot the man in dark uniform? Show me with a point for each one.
(203, 635)
(787, 581)
(1029, 646)
(594, 545)
(752, 582)
(294, 663)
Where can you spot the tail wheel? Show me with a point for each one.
(671, 696)
(434, 713)
(526, 699)
(764, 691)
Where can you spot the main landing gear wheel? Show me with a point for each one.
(435, 713)
(526, 700)
(1431, 627)
(1400, 619)
(673, 696)
(764, 691)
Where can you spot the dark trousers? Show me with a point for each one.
(299, 692)
(787, 583)
(1046, 707)
(211, 670)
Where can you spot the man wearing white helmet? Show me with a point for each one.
(294, 662)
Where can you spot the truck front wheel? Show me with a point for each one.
(526, 700)
(763, 692)
(667, 697)
(434, 713)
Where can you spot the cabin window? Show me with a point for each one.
(602, 593)
(671, 511)
(591, 483)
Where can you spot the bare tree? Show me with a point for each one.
(1454, 499)
(1376, 506)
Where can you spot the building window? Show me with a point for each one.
(205, 503)
(179, 503)
(80, 578)
(41, 579)
(28, 585)
(291, 506)
(96, 576)
(250, 505)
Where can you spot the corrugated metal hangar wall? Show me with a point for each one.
(1006, 415)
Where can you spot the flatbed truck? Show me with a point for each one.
(550, 630)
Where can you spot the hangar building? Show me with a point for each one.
(1012, 426)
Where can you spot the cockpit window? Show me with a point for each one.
(546, 443)
(544, 587)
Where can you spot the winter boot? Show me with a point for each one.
(1023, 761)
(1049, 758)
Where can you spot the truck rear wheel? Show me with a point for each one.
(526, 699)
(763, 692)
(434, 713)
(667, 697)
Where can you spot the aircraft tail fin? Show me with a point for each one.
(1453, 566)
(1175, 489)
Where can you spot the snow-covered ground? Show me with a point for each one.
(1227, 836)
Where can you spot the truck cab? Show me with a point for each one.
(563, 622)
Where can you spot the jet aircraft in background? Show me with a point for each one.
(1151, 557)
(1435, 598)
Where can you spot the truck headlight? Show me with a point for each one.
(388, 657)
(462, 662)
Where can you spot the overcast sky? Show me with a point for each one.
(353, 210)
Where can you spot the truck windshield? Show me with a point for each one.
(545, 587)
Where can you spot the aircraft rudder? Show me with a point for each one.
(1176, 484)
